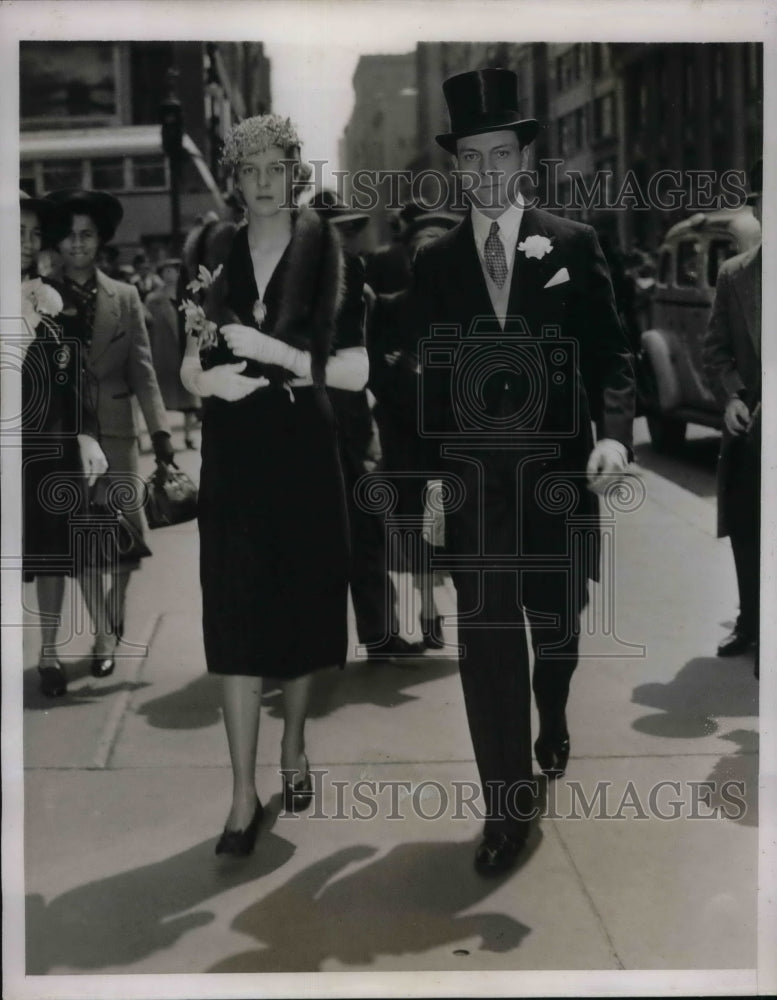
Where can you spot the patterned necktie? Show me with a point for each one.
(494, 253)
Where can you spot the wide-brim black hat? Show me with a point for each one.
(484, 100)
(331, 208)
(104, 208)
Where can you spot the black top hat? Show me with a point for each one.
(330, 207)
(484, 100)
(104, 208)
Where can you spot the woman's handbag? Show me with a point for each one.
(118, 538)
(171, 497)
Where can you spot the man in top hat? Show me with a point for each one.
(528, 352)
(372, 591)
(732, 364)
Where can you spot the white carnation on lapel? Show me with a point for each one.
(535, 246)
(39, 299)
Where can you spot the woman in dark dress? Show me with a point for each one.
(272, 517)
(61, 453)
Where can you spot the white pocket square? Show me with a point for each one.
(558, 278)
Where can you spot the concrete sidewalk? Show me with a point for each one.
(127, 786)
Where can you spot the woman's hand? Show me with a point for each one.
(226, 382)
(247, 342)
(93, 460)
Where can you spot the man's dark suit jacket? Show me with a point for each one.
(594, 380)
(732, 361)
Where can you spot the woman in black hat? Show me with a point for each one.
(60, 446)
(108, 321)
(272, 518)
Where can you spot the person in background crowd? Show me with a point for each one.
(732, 365)
(394, 382)
(372, 589)
(272, 515)
(107, 319)
(624, 289)
(59, 442)
(509, 270)
(144, 278)
(108, 263)
(168, 346)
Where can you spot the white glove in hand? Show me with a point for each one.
(227, 382)
(246, 342)
(608, 460)
(93, 460)
(737, 416)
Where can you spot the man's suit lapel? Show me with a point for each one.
(748, 289)
(106, 317)
(467, 282)
(530, 275)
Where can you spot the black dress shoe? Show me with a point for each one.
(497, 852)
(736, 643)
(298, 797)
(103, 666)
(53, 683)
(394, 646)
(241, 843)
(552, 755)
(432, 633)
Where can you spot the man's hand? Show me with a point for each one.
(93, 460)
(608, 459)
(737, 416)
(226, 382)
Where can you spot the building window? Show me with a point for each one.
(689, 87)
(63, 174)
(149, 171)
(753, 67)
(604, 116)
(718, 69)
(64, 83)
(108, 174)
(602, 63)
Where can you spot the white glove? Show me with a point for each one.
(246, 342)
(737, 416)
(224, 381)
(93, 460)
(608, 460)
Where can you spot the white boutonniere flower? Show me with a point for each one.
(535, 246)
(39, 300)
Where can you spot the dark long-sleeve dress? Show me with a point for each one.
(57, 406)
(272, 516)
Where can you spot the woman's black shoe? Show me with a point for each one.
(552, 756)
(298, 797)
(241, 842)
(432, 633)
(53, 683)
(103, 666)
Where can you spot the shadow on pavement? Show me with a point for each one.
(194, 706)
(740, 801)
(409, 901)
(692, 467)
(124, 918)
(86, 694)
(706, 688)
(383, 685)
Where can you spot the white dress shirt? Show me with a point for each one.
(509, 224)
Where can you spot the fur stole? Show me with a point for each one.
(312, 289)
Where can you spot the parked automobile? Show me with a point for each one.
(672, 388)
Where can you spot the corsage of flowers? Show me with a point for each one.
(40, 304)
(195, 321)
(535, 246)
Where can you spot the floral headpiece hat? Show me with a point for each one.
(257, 134)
